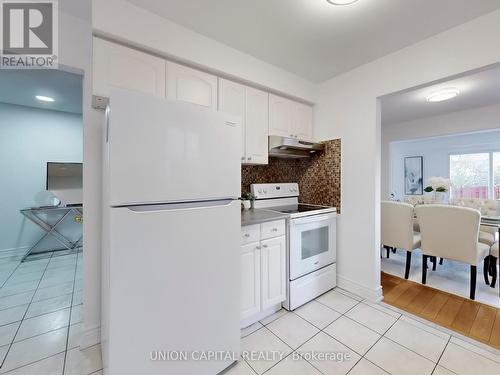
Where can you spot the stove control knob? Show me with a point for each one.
(259, 191)
(265, 191)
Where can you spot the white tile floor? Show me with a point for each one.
(373, 339)
(40, 317)
(40, 327)
(452, 277)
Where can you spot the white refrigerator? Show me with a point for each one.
(170, 267)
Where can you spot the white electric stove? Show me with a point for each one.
(311, 237)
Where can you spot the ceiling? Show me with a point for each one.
(313, 38)
(20, 87)
(477, 89)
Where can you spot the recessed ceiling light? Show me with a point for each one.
(341, 2)
(443, 94)
(44, 98)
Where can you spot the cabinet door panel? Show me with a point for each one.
(232, 102)
(257, 126)
(250, 280)
(302, 121)
(279, 116)
(191, 85)
(117, 66)
(273, 272)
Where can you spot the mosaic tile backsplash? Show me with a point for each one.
(318, 177)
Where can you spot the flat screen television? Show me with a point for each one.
(65, 181)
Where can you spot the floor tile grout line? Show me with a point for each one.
(34, 301)
(441, 355)
(432, 333)
(375, 343)
(40, 334)
(70, 314)
(13, 273)
(31, 363)
(22, 320)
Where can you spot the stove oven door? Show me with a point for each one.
(312, 243)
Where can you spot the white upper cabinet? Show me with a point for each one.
(252, 107)
(290, 119)
(280, 120)
(116, 66)
(232, 102)
(191, 85)
(302, 119)
(257, 126)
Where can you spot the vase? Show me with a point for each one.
(246, 204)
(440, 197)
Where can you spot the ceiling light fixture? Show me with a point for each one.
(443, 94)
(341, 2)
(44, 98)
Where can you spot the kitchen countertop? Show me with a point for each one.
(257, 216)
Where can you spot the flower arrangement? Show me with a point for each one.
(438, 184)
(246, 200)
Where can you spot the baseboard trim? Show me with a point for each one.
(374, 295)
(90, 337)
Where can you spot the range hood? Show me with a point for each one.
(291, 148)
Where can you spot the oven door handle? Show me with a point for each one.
(313, 218)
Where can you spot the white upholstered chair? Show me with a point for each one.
(487, 207)
(451, 232)
(397, 229)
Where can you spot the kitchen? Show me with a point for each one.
(315, 71)
(288, 249)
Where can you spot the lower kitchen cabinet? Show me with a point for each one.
(273, 273)
(263, 270)
(250, 280)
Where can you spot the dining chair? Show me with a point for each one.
(398, 229)
(451, 232)
(492, 266)
(487, 207)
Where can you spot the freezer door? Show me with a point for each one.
(174, 288)
(162, 151)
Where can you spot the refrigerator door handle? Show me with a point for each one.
(181, 206)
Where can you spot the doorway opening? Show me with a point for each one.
(41, 215)
(443, 150)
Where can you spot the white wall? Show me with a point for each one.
(471, 120)
(436, 152)
(29, 138)
(135, 26)
(75, 49)
(348, 108)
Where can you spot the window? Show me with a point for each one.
(496, 175)
(475, 175)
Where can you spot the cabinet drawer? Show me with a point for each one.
(273, 229)
(250, 233)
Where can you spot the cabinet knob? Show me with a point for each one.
(247, 235)
(274, 229)
(257, 247)
(242, 158)
(249, 158)
(265, 246)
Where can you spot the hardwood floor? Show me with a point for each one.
(470, 318)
